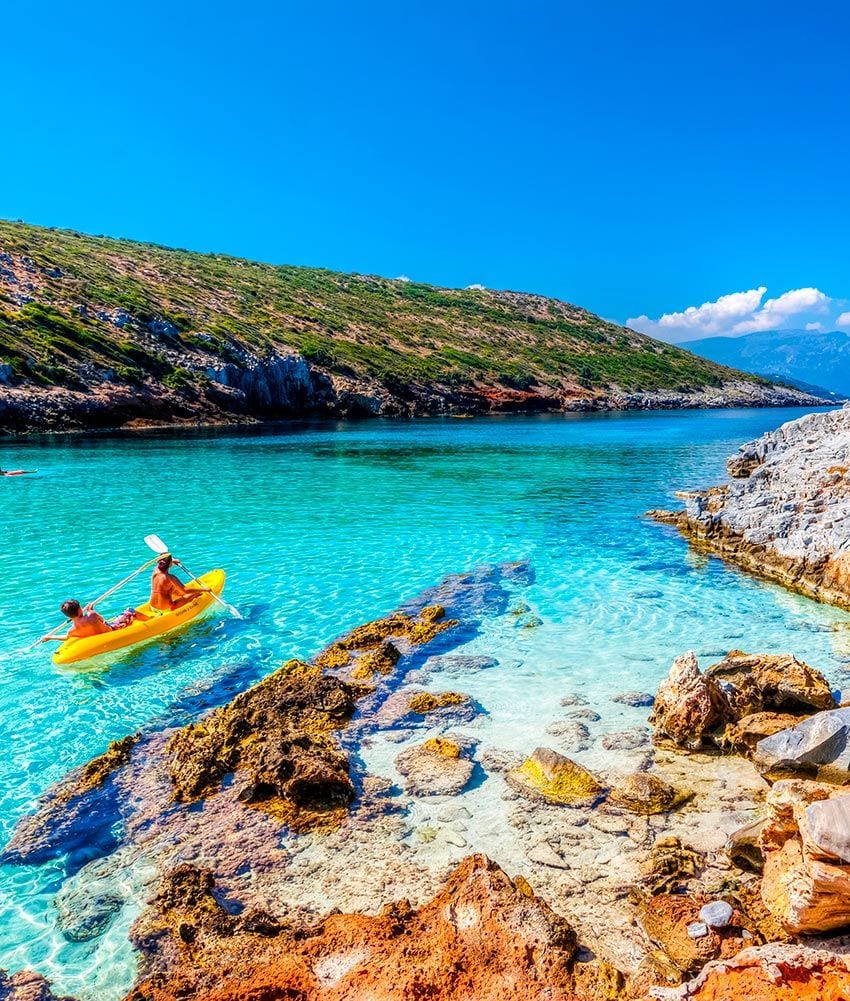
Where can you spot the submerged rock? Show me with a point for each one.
(549, 776)
(27, 986)
(439, 767)
(646, 794)
(637, 700)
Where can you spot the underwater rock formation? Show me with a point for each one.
(550, 776)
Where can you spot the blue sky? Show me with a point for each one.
(635, 158)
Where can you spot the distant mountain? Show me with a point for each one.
(803, 358)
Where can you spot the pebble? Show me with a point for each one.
(697, 930)
(636, 699)
(717, 914)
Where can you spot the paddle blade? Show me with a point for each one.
(155, 543)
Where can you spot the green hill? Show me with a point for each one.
(141, 331)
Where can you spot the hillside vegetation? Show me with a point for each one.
(82, 312)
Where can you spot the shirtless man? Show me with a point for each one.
(84, 622)
(167, 592)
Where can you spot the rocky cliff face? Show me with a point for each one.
(785, 511)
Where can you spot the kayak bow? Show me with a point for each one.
(74, 650)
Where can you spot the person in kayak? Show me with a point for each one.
(87, 622)
(84, 622)
(167, 592)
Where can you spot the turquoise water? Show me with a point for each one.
(321, 527)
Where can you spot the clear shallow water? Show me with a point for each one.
(323, 527)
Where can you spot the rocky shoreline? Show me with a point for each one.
(280, 388)
(274, 864)
(785, 512)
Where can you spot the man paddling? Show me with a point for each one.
(167, 592)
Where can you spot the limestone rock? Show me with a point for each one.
(436, 768)
(483, 936)
(644, 793)
(788, 518)
(772, 972)
(806, 885)
(816, 748)
(827, 828)
(743, 736)
(688, 705)
(777, 682)
(743, 849)
(550, 776)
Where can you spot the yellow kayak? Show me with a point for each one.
(74, 650)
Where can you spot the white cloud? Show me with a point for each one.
(476, 288)
(401, 278)
(741, 313)
(843, 320)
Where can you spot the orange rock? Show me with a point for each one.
(767, 973)
(483, 937)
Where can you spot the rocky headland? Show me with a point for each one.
(100, 333)
(785, 511)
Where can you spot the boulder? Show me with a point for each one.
(779, 682)
(549, 776)
(436, 768)
(646, 794)
(806, 880)
(689, 705)
(817, 747)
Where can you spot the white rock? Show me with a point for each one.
(717, 914)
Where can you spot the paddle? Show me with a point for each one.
(91, 604)
(155, 543)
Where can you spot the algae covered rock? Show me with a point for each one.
(439, 767)
(278, 735)
(550, 776)
(646, 794)
(426, 702)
